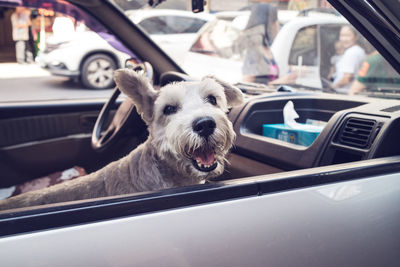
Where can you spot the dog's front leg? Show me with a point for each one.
(89, 186)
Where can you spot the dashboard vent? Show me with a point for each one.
(357, 132)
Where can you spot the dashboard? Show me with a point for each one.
(357, 128)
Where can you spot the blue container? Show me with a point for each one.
(282, 132)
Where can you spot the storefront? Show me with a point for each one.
(41, 23)
(7, 48)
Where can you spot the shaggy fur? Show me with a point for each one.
(175, 154)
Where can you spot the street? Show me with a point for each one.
(29, 82)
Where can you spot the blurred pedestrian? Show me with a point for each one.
(259, 64)
(349, 63)
(21, 22)
(375, 73)
(339, 50)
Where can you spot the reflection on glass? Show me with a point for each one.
(339, 193)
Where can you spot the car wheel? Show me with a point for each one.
(97, 72)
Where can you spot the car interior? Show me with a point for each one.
(37, 139)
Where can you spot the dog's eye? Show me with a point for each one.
(212, 100)
(168, 110)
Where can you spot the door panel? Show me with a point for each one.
(32, 160)
(36, 140)
(41, 127)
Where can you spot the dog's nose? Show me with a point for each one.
(204, 126)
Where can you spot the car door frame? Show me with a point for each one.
(26, 223)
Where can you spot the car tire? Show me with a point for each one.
(97, 72)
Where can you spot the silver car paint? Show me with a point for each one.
(353, 223)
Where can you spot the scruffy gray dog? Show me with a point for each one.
(189, 137)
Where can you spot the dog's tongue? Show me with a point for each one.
(205, 155)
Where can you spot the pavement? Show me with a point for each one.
(28, 82)
(15, 70)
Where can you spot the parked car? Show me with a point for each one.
(218, 40)
(334, 202)
(90, 58)
(86, 57)
(173, 30)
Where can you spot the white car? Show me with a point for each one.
(173, 30)
(304, 44)
(96, 57)
(93, 62)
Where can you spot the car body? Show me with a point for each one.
(93, 59)
(332, 203)
(178, 32)
(324, 27)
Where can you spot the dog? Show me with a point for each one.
(189, 138)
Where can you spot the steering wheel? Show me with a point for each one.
(101, 141)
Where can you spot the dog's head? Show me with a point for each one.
(187, 121)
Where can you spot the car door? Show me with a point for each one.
(39, 138)
(311, 51)
(338, 215)
(318, 217)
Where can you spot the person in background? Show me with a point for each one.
(348, 65)
(20, 21)
(375, 73)
(259, 64)
(339, 50)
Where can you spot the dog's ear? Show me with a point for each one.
(234, 95)
(139, 90)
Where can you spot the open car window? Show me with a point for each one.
(61, 51)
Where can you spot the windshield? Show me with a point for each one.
(306, 45)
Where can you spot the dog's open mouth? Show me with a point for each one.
(204, 159)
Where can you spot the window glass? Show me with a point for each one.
(66, 53)
(155, 25)
(329, 42)
(304, 49)
(220, 40)
(183, 24)
(171, 25)
(60, 51)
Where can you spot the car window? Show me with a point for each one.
(304, 48)
(328, 36)
(222, 47)
(62, 53)
(155, 25)
(171, 25)
(65, 54)
(219, 40)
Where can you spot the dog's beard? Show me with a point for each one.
(197, 157)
